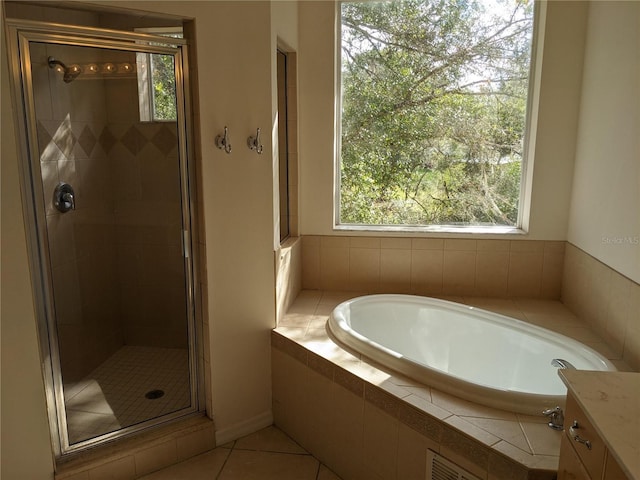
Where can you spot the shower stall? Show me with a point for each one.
(107, 186)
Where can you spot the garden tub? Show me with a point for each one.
(468, 352)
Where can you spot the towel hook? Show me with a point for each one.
(222, 141)
(254, 142)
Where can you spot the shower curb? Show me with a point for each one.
(143, 453)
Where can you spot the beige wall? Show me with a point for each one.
(26, 449)
(605, 218)
(556, 121)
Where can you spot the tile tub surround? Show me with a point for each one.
(365, 421)
(433, 266)
(606, 300)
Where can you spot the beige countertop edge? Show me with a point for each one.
(611, 402)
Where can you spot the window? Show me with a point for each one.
(283, 144)
(157, 81)
(433, 112)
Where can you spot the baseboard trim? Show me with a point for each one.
(245, 427)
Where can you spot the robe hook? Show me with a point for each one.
(222, 141)
(254, 142)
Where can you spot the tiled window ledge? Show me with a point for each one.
(490, 443)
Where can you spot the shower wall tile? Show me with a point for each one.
(427, 266)
(107, 139)
(49, 172)
(123, 101)
(40, 78)
(165, 138)
(133, 140)
(87, 140)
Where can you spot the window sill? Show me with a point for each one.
(432, 229)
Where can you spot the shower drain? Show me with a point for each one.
(153, 394)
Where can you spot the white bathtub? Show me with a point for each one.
(474, 354)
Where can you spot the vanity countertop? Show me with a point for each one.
(611, 402)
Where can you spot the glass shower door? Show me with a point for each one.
(111, 177)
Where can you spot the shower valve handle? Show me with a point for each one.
(69, 199)
(64, 197)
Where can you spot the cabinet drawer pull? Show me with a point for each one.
(573, 431)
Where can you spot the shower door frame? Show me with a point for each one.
(19, 35)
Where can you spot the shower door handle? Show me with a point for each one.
(64, 198)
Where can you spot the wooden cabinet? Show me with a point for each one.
(585, 457)
(570, 467)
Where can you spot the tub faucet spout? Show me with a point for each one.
(560, 363)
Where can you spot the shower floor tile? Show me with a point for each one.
(113, 396)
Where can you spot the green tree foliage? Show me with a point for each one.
(433, 112)
(164, 87)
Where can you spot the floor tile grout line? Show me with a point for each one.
(305, 454)
(224, 464)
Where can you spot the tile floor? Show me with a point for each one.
(268, 454)
(113, 395)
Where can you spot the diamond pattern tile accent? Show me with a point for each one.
(44, 137)
(64, 138)
(87, 140)
(133, 140)
(165, 139)
(107, 139)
